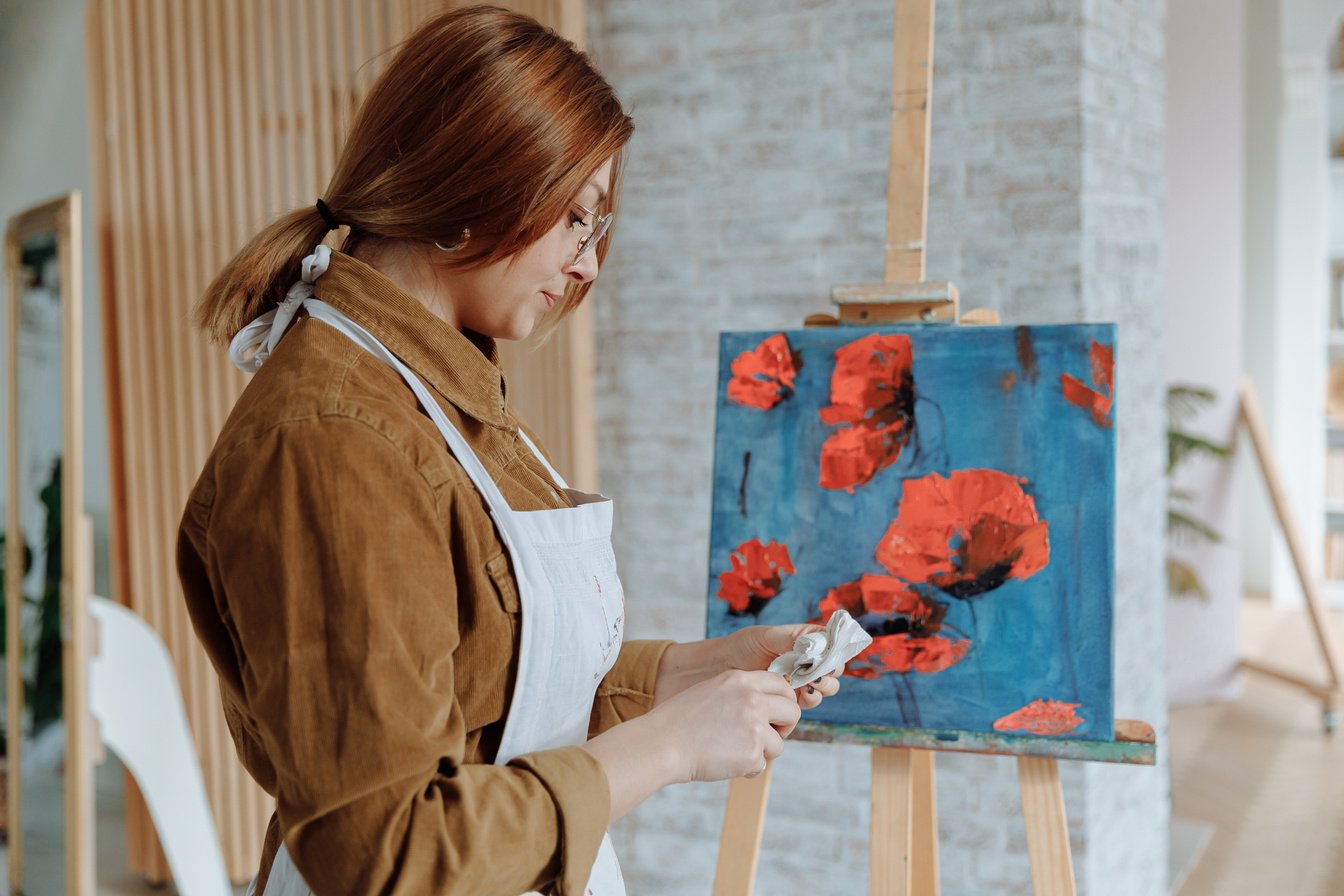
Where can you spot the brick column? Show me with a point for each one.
(756, 181)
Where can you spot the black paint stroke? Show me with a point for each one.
(742, 490)
(1026, 355)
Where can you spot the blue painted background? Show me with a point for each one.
(1048, 636)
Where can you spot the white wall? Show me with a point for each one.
(1205, 295)
(1289, 45)
(44, 152)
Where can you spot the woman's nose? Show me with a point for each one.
(583, 269)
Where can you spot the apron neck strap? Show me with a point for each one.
(253, 344)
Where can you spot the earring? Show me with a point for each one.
(466, 235)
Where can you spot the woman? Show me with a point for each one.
(416, 624)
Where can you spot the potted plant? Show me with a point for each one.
(42, 687)
(1183, 527)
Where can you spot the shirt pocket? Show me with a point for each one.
(506, 586)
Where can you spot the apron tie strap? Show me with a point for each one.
(260, 337)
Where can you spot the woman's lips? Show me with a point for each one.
(550, 300)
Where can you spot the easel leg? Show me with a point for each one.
(1254, 420)
(889, 869)
(740, 843)
(924, 836)
(1047, 827)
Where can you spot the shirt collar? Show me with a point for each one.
(462, 367)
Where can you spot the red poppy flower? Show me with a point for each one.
(966, 533)
(1101, 359)
(873, 397)
(763, 377)
(913, 646)
(1048, 717)
(872, 381)
(755, 575)
(873, 594)
(907, 653)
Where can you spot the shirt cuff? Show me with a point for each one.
(578, 785)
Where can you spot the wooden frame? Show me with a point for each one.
(61, 216)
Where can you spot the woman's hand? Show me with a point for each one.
(757, 646)
(749, 649)
(717, 713)
(727, 726)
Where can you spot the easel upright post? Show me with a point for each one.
(908, 162)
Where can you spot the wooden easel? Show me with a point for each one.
(1330, 693)
(903, 857)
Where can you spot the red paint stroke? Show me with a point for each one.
(966, 533)
(1101, 358)
(1047, 717)
(914, 647)
(763, 377)
(873, 398)
(755, 575)
(871, 377)
(874, 594)
(907, 653)
(852, 456)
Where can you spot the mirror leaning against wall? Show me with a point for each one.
(46, 554)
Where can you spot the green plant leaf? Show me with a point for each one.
(44, 690)
(1183, 581)
(1181, 445)
(1180, 496)
(1184, 401)
(1186, 529)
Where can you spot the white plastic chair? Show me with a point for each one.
(133, 694)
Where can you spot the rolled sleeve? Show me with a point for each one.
(582, 796)
(627, 690)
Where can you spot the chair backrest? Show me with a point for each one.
(133, 694)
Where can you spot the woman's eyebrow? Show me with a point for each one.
(601, 193)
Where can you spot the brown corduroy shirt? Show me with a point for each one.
(350, 589)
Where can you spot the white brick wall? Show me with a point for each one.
(756, 181)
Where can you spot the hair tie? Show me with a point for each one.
(325, 211)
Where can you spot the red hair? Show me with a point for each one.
(483, 120)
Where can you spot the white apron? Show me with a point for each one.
(573, 606)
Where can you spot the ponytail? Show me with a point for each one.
(256, 279)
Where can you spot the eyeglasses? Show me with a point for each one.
(596, 227)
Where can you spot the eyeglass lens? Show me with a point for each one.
(591, 240)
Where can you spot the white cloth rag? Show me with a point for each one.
(817, 654)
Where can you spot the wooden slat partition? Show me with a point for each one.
(209, 119)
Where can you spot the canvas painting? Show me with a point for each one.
(953, 489)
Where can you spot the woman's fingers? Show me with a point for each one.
(774, 745)
(810, 696)
(784, 713)
(827, 685)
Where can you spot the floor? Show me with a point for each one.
(1259, 779)
(43, 825)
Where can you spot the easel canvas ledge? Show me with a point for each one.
(1135, 742)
